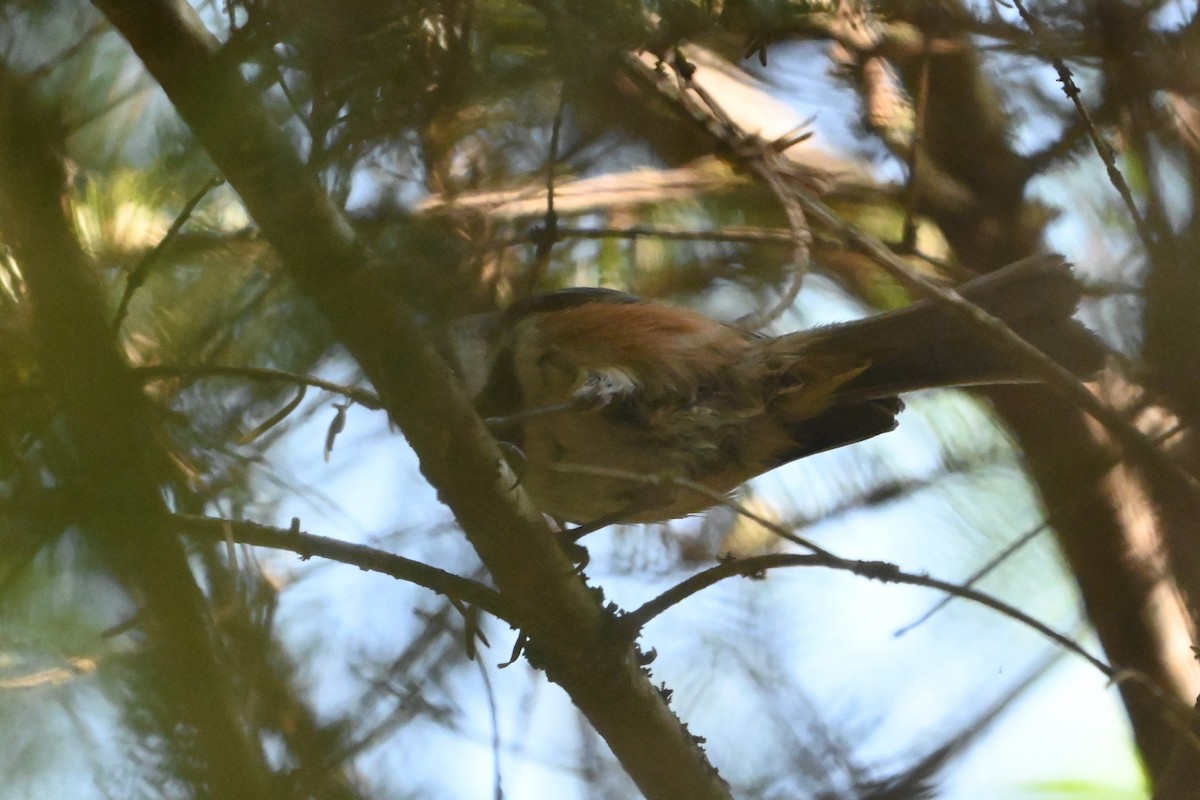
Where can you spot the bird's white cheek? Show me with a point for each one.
(549, 376)
(598, 387)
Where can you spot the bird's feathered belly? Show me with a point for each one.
(581, 466)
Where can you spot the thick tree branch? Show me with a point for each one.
(569, 633)
(114, 492)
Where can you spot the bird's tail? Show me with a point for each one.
(925, 346)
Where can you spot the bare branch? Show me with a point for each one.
(368, 559)
(679, 481)
(979, 574)
(756, 566)
(1103, 148)
(137, 275)
(154, 372)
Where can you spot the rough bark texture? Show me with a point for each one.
(1127, 533)
(569, 632)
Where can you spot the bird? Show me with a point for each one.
(612, 404)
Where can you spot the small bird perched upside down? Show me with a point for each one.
(589, 381)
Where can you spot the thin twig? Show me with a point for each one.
(979, 574)
(547, 234)
(765, 160)
(86, 38)
(154, 372)
(490, 694)
(76, 667)
(1011, 548)
(718, 498)
(430, 651)
(276, 418)
(756, 565)
(368, 559)
(137, 275)
(800, 253)
(1103, 148)
(875, 570)
(735, 234)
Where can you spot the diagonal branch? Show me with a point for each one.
(756, 566)
(1103, 149)
(368, 559)
(568, 631)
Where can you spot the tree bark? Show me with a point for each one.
(115, 495)
(570, 635)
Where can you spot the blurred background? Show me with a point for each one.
(939, 127)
